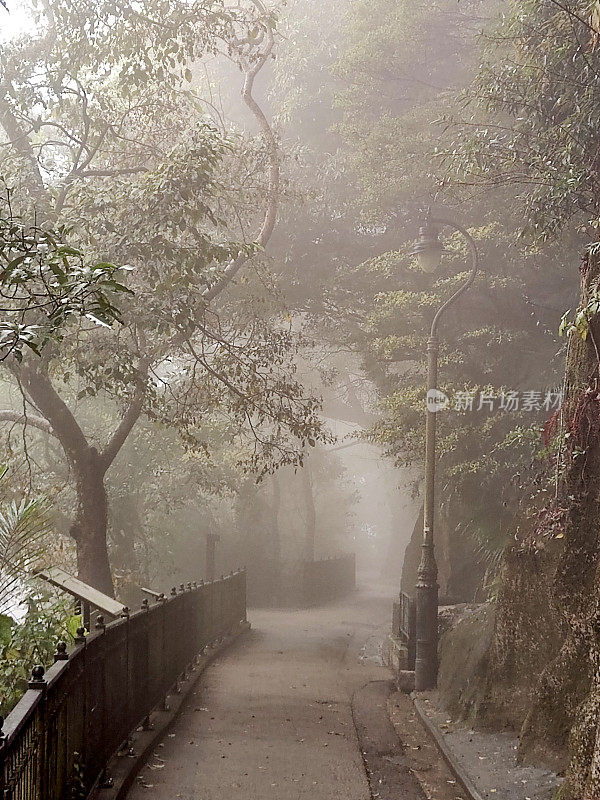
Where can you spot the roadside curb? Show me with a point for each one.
(451, 760)
(387, 768)
(123, 769)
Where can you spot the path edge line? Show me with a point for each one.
(381, 773)
(451, 760)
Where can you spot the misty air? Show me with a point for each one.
(300, 400)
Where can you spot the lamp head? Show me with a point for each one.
(428, 248)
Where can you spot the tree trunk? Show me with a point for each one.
(577, 584)
(275, 508)
(90, 526)
(309, 508)
(276, 539)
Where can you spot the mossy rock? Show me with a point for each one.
(464, 657)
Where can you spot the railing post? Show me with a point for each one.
(61, 652)
(210, 605)
(225, 602)
(38, 683)
(201, 620)
(146, 722)
(82, 752)
(105, 781)
(80, 638)
(125, 615)
(56, 755)
(412, 633)
(221, 594)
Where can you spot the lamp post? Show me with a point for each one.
(429, 250)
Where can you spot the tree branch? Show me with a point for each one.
(21, 143)
(130, 417)
(109, 173)
(45, 397)
(272, 199)
(6, 415)
(38, 385)
(569, 11)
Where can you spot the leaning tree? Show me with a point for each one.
(105, 130)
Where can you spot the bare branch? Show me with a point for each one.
(128, 421)
(272, 198)
(66, 428)
(18, 417)
(109, 173)
(566, 9)
(21, 143)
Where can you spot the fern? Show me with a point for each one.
(23, 528)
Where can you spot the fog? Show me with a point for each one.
(299, 324)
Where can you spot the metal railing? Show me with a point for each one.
(404, 625)
(56, 742)
(328, 578)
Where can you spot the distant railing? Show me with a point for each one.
(57, 740)
(404, 626)
(328, 578)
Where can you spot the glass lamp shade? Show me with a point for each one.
(428, 248)
(430, 258)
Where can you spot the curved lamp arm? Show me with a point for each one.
(474, 267)
(426, 660)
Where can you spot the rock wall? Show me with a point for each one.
(527, 636)
(460, 575)
(543, 673)
(464, 657)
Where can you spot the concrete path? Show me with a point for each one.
(272, 718)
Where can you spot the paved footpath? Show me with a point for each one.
(271, 719)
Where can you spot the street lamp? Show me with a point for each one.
(428, 251)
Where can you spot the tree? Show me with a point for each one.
(395, 69)
(45, 284)
(310, 515)
(108, 120)
(534, 115)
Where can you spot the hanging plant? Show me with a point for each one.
(580, 324)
